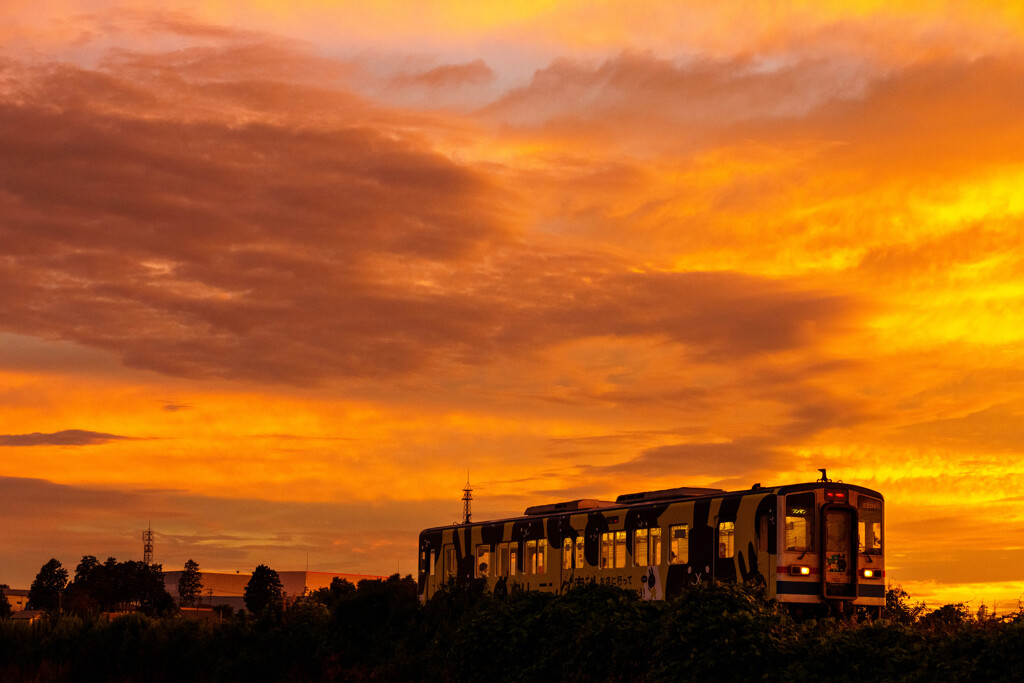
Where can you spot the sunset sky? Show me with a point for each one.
(274, 276)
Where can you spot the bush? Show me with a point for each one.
(722, 632)
(844, 650)
(379, 631)
(590, 633)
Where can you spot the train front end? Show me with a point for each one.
(831, 555)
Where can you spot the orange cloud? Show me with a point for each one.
(65, 437)
(713, 245)
(448, 75)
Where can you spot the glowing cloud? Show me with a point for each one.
(66, 437)
(326, 256)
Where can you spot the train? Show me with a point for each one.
(815, 547)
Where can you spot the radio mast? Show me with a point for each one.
(467, 498)
(147, 545)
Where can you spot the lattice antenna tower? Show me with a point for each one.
(147, 545)
(467, 500)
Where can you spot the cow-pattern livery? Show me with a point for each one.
(758, 556)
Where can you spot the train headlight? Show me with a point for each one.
(799, 570)
(870, 573)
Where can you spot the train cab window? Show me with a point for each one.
(679, 544)
(581, 560)
(613, 550)
(483, 561)
(647, 547)
(449, 560)
(726, 539)
(800, 522)
(536, 557)
(431, 559)
(869, 525)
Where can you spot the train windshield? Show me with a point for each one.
(800, 522)
(869, 525)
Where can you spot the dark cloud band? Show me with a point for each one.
(66, 437)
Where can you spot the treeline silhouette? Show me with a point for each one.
(110, 586)
(378, 631)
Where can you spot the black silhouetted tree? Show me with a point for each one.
(341, 587)
(898, 607)
(947, 618)
(330, 596)
(142, 586)
(45, 591)
(264, 592)
(117, 587)
(378, 613)
(5, 605)
(84, 570)
(190, 584)
(109, 584)
(82, 595)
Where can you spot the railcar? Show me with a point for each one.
(816, 547)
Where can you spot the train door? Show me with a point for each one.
(572, 562)
(839, 559)
(566, 563)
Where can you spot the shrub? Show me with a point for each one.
(722, 632)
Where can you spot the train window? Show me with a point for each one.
(620, 549)
(581, 560)
(647, 547)
(613, 550)
(679, 544)
(869, 525)
(449, 560)
(640, 539)
(431, 559)
(483, 561)
(507, 555)
(726, 539)
(800, 522)
(567, 553)
(535, 557)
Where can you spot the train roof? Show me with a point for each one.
(663, 496)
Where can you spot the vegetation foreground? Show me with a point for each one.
(593, 633)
